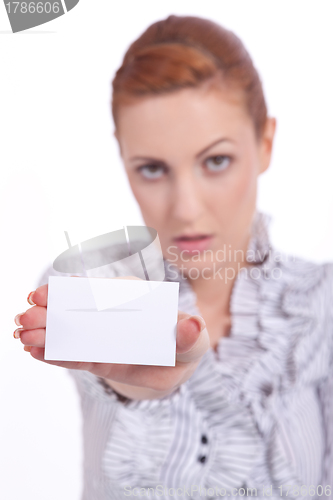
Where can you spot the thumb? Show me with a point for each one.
(192, 339)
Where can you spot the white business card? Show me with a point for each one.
(111, 320)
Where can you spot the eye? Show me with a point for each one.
(152, 171)
(218, 163)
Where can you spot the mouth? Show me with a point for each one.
(193, 242)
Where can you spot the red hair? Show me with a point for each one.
(185, 51)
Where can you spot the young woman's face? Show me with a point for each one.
(192, 160)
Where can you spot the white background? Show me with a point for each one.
(60, 170)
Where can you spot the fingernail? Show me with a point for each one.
(17, 333)
(27, 348)
(199, 321)
(17, 319)
(29, 299)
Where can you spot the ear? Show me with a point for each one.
(266, 145)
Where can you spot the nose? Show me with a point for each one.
(187, 202)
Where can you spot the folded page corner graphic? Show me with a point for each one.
(129, 246)
(130, 251)
(25, 15)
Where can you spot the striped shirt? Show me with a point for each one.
(255, 418)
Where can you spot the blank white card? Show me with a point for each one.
(111, 321)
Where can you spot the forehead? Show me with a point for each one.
(188, 118)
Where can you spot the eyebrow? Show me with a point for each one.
(222, 139)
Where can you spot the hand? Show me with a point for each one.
(133, 381)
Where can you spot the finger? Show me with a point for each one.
(35, 317)
(33, 337)
(192, 339)
(39, 296)
(188, 330)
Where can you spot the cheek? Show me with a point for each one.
(246, 183)
(152, 201)
(233, 200)
(232, 193)
(245, 187)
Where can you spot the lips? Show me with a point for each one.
(194, 242)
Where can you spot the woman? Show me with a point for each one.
(247, 411)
